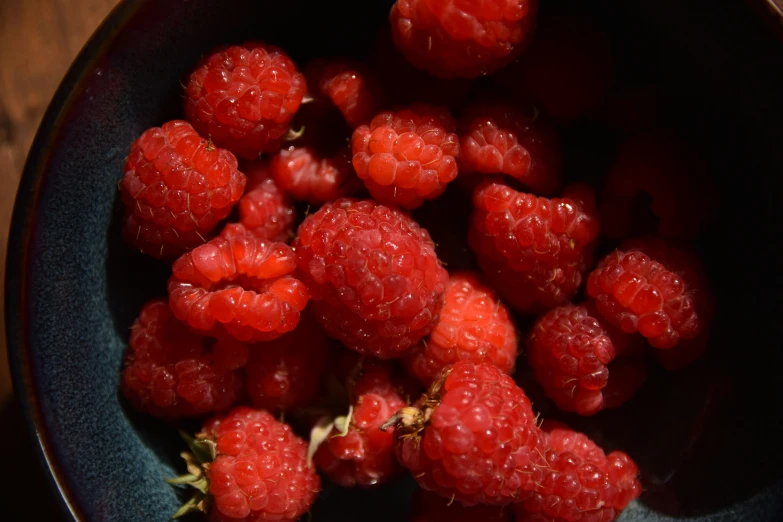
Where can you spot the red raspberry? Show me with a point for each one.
(571, 353)
(309, 176)
(568, 68)
(169, 371)
(375, 280)
(348, 85)
(581, 484)
(287, 373)
(429, 507)
(176, 188)
(243, 284)
(265, 210)
(244, 97)
(260, 471)
(533, 250)
(653, 289)
(496, 138)
(472, 438)
(407, 156)
(670, 177)
(474, 325)
(464, 39)
(363, 455)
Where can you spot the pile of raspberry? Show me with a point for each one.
(375, 269)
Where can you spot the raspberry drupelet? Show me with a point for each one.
(170, 372)
(375, 280)
(474, 325)
(653, 289)
(363, 455)
(497, 138)
(570, 353)
(265, 210)
(242, 285)
(430, 507)
(452, 38)
(581, 483)
(533, 250)
(260, 470)
(472, 438)
(288, 372)
(307, 175)
(348, 85)
(407, 157)
(244, 96)
(176, 187)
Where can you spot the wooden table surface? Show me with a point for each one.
(38, 41)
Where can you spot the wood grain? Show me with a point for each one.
(38, 41)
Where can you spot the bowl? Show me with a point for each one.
(707, 439)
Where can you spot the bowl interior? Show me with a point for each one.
(706, 439)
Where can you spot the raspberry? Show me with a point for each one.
(429, 507)
(408, 156)
(465, 39)
(472, 438)
(653, 289)
(243, 97)
(363, 455)
(265, 210)
(670, 177)
(533, 250)
(309, 176)
(376, 283)
(176, 187)
(169, 371)
(581, 484)
(287, 373)
(474, 325)
(571, 353)
(497, 138)
(568, 68)
(348, 85)
(242, 284)
(260, 471)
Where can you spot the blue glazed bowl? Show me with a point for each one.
(707, 440)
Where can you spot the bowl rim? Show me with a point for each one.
(22, 223)
(23, 218)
